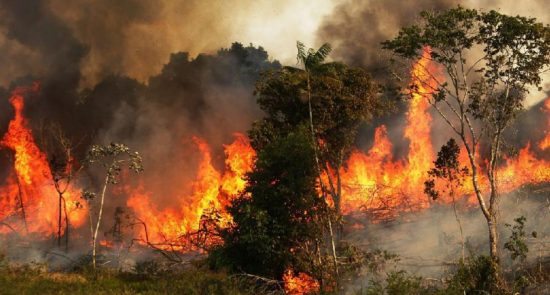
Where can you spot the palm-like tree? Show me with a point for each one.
(312, 60)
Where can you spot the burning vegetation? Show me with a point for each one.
(278, 207)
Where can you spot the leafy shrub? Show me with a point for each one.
(396, 283)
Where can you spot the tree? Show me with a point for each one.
(113, 158)
(331, 98)
(447, 168)
(60, 153)
(277, 220)
(489, 62)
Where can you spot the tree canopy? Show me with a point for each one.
(276, 220)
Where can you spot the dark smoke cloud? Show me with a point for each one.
(210, 96)
(136, 37)
(356, 28)
(32, 24)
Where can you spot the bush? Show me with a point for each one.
(473, 276)
(396, 283)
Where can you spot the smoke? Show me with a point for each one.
(428, 242)
(357, 28)
(136, 37)
(210, 97)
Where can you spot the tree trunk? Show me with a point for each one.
(59, 221)
(495, 259)
(22, 205)
(98, 223)
(334, 258)
(317, 162)
(66, 225)
(462, 242)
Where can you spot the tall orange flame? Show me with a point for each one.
(210, 190)
(386, 187)
(29, 191)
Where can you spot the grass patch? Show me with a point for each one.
(29, 280)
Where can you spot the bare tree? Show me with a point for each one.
(112, 158)
(489, 61)
(64, 168)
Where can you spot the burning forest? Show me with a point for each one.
(414, 159)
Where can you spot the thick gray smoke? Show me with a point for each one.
(429, 243)
(356, 28)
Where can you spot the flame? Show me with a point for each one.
(372, 180)
(240, 159)
(299, 284)
(29, 191)
(106, 244)
(376, 182)
(211, 190)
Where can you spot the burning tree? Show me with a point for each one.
(284, 219)
(112, 158)
(330, 98)
(278, 219)
(489, 60)
(60, 153)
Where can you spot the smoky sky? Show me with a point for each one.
(356, 29)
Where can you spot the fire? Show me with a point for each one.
(299, 284)
(106, 244)
(211, 190)
(385, 186)
(240, 160)
(372, 180)
(545, 143)
(29, 191)
(375, 180)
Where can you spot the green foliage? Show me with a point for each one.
(276, 220)
(26, 280)
(515, 51)
(113, 157)
(396, 283)
(474, 276)
(341, 99)
(516, 244)
(446, 167)
(312, 58)
(485, 63)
